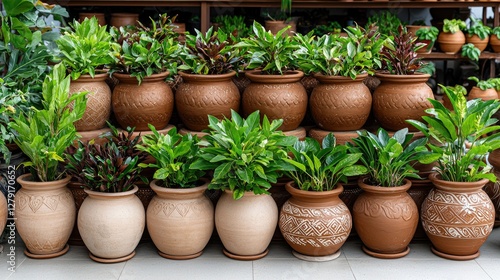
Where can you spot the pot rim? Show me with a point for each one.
(452, 186)
(23, 179)
(157, 188)
(123, 77)
(339, 79)
(415, 78)
(208, 77)
(383, 190)
(288, 77)
(293, 190)
(111, 195)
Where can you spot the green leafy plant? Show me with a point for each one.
(388, 159)
(320, 168)
(332, 27)
(173, 154)
(496, 31)
(86, 47)
(273, 54)
(478, 28)
(387, 22)
(44, 134)
(112, 167)
(284, 12)
(495, 82)
(233, 25)
(244, 154)
(483, 84)
(430, 33)
(427, 67)
(470, 51)
(453, 25)
(469, 122)
(400, 56)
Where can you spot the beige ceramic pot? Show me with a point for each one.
(479, 43)
(458, 217)
(385, 219)
(98, 107)
(495, 43)
(111, 224)
(315, 224)
(277, 97)
(45, 213)
(451, 43)
(151, 102)
(246, 226)
(201, 95)
(180, 221)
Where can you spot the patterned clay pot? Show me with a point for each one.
(399, 98)
(488, 94)
(202, 95)
(495, 43)
(383, 212)
(123, 19)
(111, 225)
(45, 213)
(479, 43)
(493, 188)
(315, 224)
(277, 97)
(98, 101)
(151, 102)
(458, 217)
(276, 25)
(340, 103)
(451, 43)
(246, 226)
(180, 221)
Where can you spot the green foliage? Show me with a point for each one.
(173, 154)
(470, 51)
(430, 33)
(85, 47)
(495, 82)
(469, 122)
(388, 159)
(112, 167)
(453, 25)
(320, 168)
(332, 27)
(400, 56)
(496, 31)
(208, 54)
(332, 55)
(478, 28)
(483, 84)
(427, 67)
(386, 21)
(244, 154)
(273, 54)
(233, 25)
(43, 135)
(284, 12)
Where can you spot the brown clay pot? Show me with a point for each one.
(45, 213)
(315, 224)
(3, 211)
(123, 19)
(101, 19)
(277, 97)
(276, 25)
(280, 195)
(429, 44)
(181, 30)
(202, 95)
(399, 98)
(340, 103)
(151, 102)
(495, 43)
(458, 217)
(342, 137)
(385, 219)
(479, 43)
(493, 188)
(488, 94)
(418, 191)
(98, 101)
(451, 43)
(180, 221)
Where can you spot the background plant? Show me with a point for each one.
(478, 28)
(470, 51)
(400, 56)
(430, 33)
(233, 25)
(453, 25)
(483, 84)
(332, 27)
(387, 22)
(496, 31)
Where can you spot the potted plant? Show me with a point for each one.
(478, 34)
(208, 66)
(109, 172)
(85, 49)
(275, 89)
(246, 157)
(484, 89)
(282, 19)
(387, 22)
(461, 139)
(428, 36)
(470, 51)
(452, 38)
(494, 39)
(180, 218)
(233, 25)
(403, 92)
(148, 55)
(385, 206)
(314, 221)
(45, 209)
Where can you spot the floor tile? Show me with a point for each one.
(291, 269)
(490, 266)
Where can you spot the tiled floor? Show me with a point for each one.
(279, 264)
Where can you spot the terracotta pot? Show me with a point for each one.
(418, 191)
(492, 189)
(280, 196)
(458, 217)
(3, 211)
(79, 196)
(111, 224)
(340, 103)
(276, 25)
(414, 28)
(385, 219)
(101, 19)
(451, 43)
(488, 94)
(151, 102)
(277, 97)
(98, 101)
(181, 30)
(479, 43)
(399, 98)
(246, 226)
(429, 44)
(45, 213)
(123, 19)
(315, 224)
(180, 221)
(495, 43)
(202, 95)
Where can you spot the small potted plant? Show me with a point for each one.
(452, 38)
(177, 186)
(484, 89)
(461, 139)
(478, 34)
(428, 36)
(282, 19)
(495, 39)
(385, 206)
(314, 221)
(332, 27)
(387, 22)
(470, 51)
(246, 157)
(233, 25)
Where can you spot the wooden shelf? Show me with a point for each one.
(445, 56)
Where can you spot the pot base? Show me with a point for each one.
(47, 256)
(245, 258)
(454, 257)
(386, 256)
(316, 258)
(178, 257)
(115, 260)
